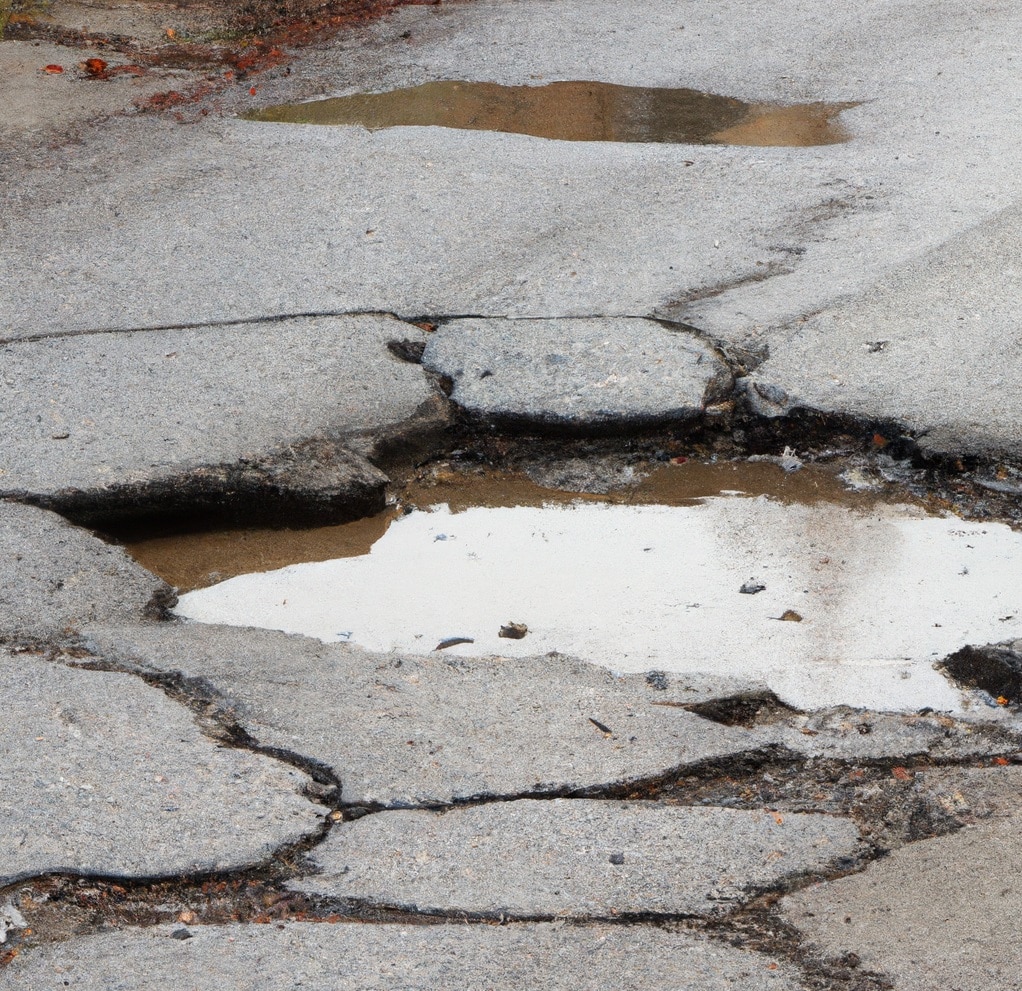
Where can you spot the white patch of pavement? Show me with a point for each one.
(882, 595)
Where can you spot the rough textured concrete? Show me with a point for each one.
(400, 730)
(410, 958)
(104, 775)
(856, 735)
(938, 914)
(573, 858)
(39, 103)
(742, 242)
(888, 355)
(581, 373)
(56, 578)
(102, 411)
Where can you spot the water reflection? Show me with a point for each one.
(578, 111)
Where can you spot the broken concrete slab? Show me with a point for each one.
(852, 735)
(247, 413)
(937, 914)
(573, 858)
(56, 578)
(103, 774)
(595, 373)
(353, 957)
(400, 730)
(741, 242)
(886, 355)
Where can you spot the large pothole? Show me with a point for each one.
(829, 596)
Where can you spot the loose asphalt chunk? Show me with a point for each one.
(584, 373)
(942, 913)
(203, 409)
(574, 858)
(105, 775)
(351, 957)
(55, 578)
(401, 730)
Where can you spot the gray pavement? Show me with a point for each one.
(104, 775)
(195, 320)
(573, 858)
(744, 243)
(938, 914)
(433, 730)
(56, 578)
(577, 373)
(415, 958)
(209, 409)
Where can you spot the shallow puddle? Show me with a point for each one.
(829, 602)
(578, 111)
(197, 559)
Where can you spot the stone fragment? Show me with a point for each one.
(574, 858)
(217, 411)
(55, 578)
(351, 957)
(401, 730)
(577, 372)
(937, 914)
(102, 774)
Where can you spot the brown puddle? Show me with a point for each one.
(198, 560)
(578, 111)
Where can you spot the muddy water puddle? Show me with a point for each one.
(826, 596)
(195, 559)
(578, 111)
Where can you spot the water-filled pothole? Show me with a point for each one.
(578, 111)
(827, 601)
(196, 558)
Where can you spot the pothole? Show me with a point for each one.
(190, 557)
(826, 596)
(578, 110)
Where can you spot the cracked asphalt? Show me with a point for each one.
(211, 320)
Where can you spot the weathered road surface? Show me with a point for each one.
(203, 314)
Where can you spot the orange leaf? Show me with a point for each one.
(1001, 761)
(53, 69)
(901, 774)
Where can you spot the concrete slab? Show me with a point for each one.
(890, 355)
(56, 578)
(42, 103)
(158, 410)
(401, 730)
(105, 775)
(856, 736)
(573, 858)
(577, 373)
(411, 958)
(743, 243)
(936, 914)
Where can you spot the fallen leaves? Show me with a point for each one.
(94, 67)
(53, 70)
(901, 774)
